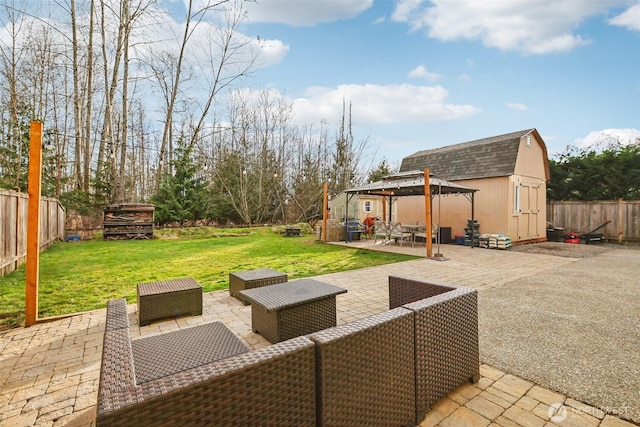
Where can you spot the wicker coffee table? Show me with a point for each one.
(287, 310)
(253, 279)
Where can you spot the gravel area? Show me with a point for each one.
(574, 329)
(568, 250)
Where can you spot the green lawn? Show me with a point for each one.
(83, 276)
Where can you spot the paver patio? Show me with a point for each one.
(49, 372)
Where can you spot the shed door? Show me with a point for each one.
(529, 210)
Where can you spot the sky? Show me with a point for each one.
(425, 74)
(422, 74)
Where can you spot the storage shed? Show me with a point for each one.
(510, 171)
(128, 221)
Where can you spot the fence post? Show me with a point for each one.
(620, 219)
(33, 224)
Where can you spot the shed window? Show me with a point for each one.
(367, 206)
(516, 198)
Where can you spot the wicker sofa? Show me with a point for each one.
(271, 386)
(387, 369)
(365, 371)
(446, 336)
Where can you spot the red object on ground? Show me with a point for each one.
(572, 237)
(368, 222)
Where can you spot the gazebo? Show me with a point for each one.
(414, 183)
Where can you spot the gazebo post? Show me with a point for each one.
(472, 218)
(427, 211)
(438, 255)
(325, 205)
(384, 209)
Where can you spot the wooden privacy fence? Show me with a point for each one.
(583, 217)
(13, 227)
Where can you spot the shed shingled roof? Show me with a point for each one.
(483, 158)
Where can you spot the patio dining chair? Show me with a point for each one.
(380, 229)
(420, 233)
(396, 233)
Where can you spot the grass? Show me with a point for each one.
(76, 277)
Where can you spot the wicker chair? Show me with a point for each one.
(446, 336)
(274, 386)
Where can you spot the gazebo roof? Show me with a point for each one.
(410, 183)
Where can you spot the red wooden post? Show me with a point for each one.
(33, 224)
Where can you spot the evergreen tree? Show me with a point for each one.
(384, 169)
(593, 174)
(181, 196)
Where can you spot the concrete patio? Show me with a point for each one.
(49, 372)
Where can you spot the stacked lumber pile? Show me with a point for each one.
(128, 221)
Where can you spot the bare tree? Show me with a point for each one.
(11, 59)
(110, 80)
(193, 18)
(77, 101)
(125, 17)
(86, 176)
(230, 58)
(90, 80)
(347, 155)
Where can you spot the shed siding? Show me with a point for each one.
(531, 160)
(376, 207)
(494, 208)
(491, 210)
(356, 207)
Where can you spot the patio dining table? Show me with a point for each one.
(413, 229)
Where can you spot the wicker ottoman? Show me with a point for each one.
(170, 353)
(169, 298)
(253, 279)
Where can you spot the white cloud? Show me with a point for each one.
(602, 138)
(629, 19)
(378, 104)
(421, 72)
(404, 9)
(304, 12)
(270, 52)
(528, 26)
(516, 106)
